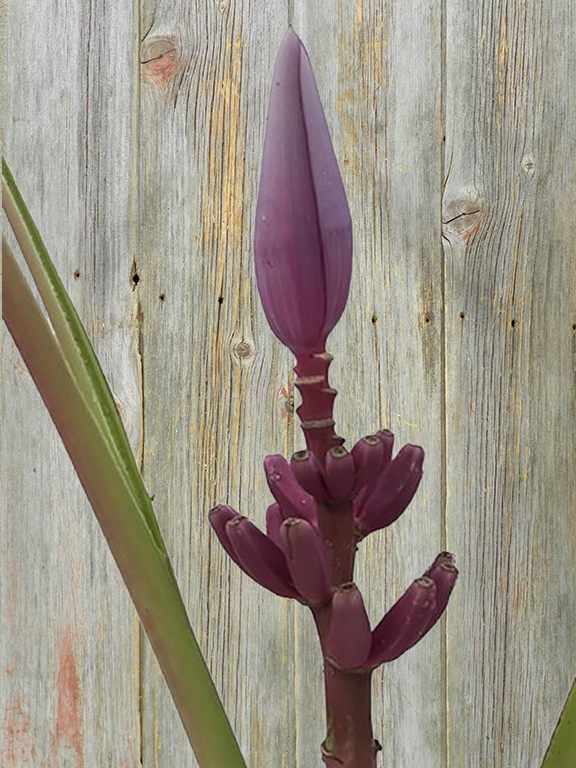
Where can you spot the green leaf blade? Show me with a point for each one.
(77, 348)
(63, 366)
(562, 750)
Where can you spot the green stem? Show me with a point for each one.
(134, 540)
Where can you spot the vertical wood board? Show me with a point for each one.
(69, 647)
(136, 134)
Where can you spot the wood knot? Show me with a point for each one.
(461, 215)
(159, 59)
(528, 165)
(242, 350)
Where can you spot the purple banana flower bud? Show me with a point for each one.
(405, 623)
(274, 519)
(340, 473)
(308, 472)
(306, 559)
(293, 500)
(444, 574)
(303, 230)
(350, 639)
(386, 438)
(368, 454)
(218, 517)
(259, 557)
(441, 559)
(392, 493)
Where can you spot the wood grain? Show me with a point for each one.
(510, 353)
(135, 133)
(69, 653)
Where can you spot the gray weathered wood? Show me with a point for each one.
(135, 134)
(511, 400)
(69, 648)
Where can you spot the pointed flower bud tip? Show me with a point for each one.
(303, 230)
(340, 473)
(368, 454)
(308, 472)
(405, 623)
(444, 574)
(349, 639)
(307, 561)
(391, 494)
(386, 439)
(259, 557)
(218, 517)
(274, 519)
(292, 498)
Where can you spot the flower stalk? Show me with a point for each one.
(326, 499)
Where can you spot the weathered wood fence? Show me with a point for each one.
(135, 132)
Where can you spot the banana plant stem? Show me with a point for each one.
(349, 741)
(141, 559)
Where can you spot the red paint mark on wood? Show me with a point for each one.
(10, 670)
(69, 732)
(17, 745)
(17, 367)
(160, 59)
(130, 757)
(13, 600)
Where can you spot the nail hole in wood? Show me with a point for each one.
(513, 323)
(220, 299)
(76, 274)
(162, 297)
(462, 315)
(374, 319)
(427, 319)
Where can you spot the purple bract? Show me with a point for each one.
(303, 231)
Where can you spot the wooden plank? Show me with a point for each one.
(216, 383)
(378, 72)
(510, 341)
(69, 648)
(218, 386)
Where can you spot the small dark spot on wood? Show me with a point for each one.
(513, 323)
(162, 297)
(220, 299)
(76, 274)
(374, 319)
(134, 276)
(574, 326)
(462, 315)
(427, 319)
(289, 405)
